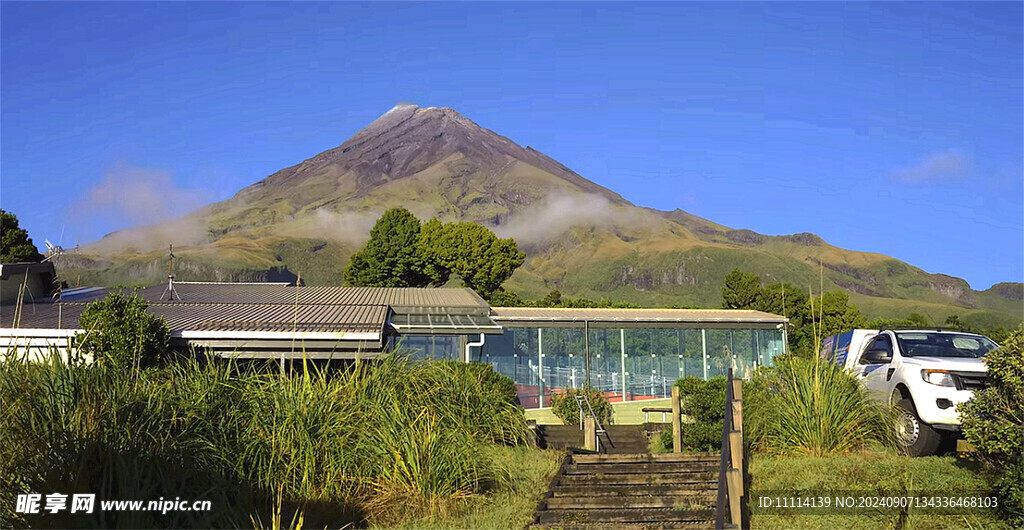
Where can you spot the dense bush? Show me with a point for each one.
(808, 406)
(119, 332)
(473, 396)
(339, 447)
(565, 407)
(703, 404)
(993, 421)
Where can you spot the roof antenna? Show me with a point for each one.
(169, 291)
(53, 255)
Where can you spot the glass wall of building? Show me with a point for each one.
(429, 346)
(627, 363)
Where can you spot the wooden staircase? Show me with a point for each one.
(617, 439)
(632, 491)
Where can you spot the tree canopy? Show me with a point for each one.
(810, 319)
(391, 257)
(15, 245)
(403, 253)
(472, 251)
(119, 332)
(740, 290)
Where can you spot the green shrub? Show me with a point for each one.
(809, 406)
(473, 396)
(329, 444)
(565, 407)
(703, 403)
(119, 332)
(993, 421)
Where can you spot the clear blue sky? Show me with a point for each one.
(888, 127)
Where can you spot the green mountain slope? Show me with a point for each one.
(580, 238)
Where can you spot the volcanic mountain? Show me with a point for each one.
(580, 237)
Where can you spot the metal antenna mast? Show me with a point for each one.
(53, 255)
(169, 291)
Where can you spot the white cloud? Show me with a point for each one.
(130, 196)
(138, 196)
(936, 166)
(546, 219)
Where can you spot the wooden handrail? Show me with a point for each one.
(730, 472)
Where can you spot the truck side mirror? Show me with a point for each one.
(876, 357)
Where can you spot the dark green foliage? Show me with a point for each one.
(993, 421)
(15, 245)
(503, 298)
(402, 253)
(119, 332)
(703, 402)
(391, 257)
(555, 299)
(917, 319)
(810, 319)
(565, 407)
(471, 251)
(833, 313)
(786, 300)
(740, 290)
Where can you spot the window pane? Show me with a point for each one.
(564, 363)
(606, 362)
(719, 349)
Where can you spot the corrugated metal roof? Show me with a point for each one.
(213, 317)
(693, 316)
(250, 293)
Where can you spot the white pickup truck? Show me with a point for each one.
(925, 373)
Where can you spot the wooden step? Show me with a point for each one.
(691, 502)
(627, 515)
(646, 457)
(641, 467)
(596, 490)
(704, 477)
(665, 525)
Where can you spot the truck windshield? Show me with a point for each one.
(924, 344)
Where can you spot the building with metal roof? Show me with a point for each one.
(631, 354)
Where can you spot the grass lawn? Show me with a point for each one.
(525, 476)
(628, 413)
(874, 474)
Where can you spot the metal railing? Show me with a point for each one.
(730, 475)
(582, 399)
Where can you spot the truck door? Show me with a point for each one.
(874, 366)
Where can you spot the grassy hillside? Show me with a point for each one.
(580, 238)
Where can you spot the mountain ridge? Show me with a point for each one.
(580, 237)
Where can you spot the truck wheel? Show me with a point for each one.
(917, 437)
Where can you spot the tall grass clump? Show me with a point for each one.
(327, 447)
(813, 407)
(70, 428)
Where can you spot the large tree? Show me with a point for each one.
(472, 251)
(740, 290)
(15, 245)
(402, 253)
(391, 257)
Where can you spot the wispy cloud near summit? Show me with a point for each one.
(936, 166)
